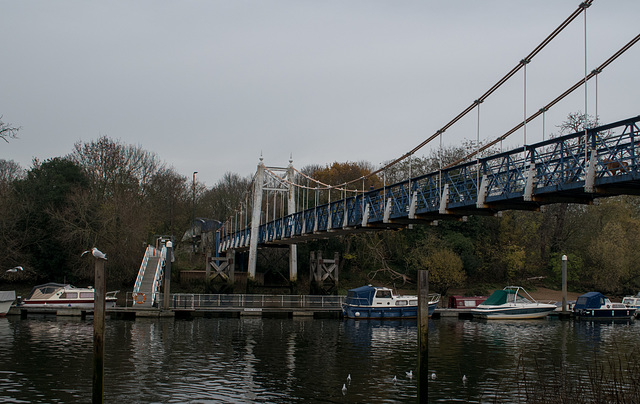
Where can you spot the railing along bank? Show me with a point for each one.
(204, 301)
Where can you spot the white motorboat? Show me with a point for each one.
(512, 302)
(632, 302)
(60, 296)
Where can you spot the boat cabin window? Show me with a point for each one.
(413, 302)
(86, 295)
(401, 302)
(69, 295)
(383, 294)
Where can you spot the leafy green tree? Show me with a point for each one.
(575, 271)
(12, 235)
(610, 245)
(444, 265)
(44, 192)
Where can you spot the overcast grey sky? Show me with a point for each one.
(210, 85)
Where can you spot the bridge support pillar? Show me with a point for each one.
(590, 176)
(220, 272)
(324, 274)
(291, 208)
(258, 184)
(528, 186)
(444, 199)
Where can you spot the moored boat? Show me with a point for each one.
(512, 302)
(595, 305)
(381, 303)
(59, 296)
(632, 302)
(7, 297)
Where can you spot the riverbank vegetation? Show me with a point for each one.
(120, 197)
(608, 379)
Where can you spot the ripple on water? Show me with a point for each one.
(285, 360)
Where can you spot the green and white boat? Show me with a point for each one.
(512, 303)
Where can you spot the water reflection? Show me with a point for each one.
(301, 360)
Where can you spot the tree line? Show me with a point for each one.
(120, 197)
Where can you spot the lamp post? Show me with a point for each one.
(193, 217)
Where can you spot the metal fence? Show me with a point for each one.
(201, 301)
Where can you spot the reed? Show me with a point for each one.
(609, 379)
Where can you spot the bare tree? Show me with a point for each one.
(10, 171)
(227, 195)
(575, 123)
(8, 131)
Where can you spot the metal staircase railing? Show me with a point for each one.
(148, 252)
(159, 273)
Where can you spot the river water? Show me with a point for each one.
(262, 360)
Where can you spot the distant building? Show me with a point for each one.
(201, 230)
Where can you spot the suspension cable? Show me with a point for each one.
(583, 6)
(555, 101)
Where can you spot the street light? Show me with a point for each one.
(193, 217)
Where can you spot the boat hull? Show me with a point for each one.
(371, 312)
(513, 313)
(605, 314)
(4, 308)
(66, 304)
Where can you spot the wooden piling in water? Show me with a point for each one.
(564, 286)
(423, 335)
(98, 331)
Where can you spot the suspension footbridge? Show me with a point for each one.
(579, 167)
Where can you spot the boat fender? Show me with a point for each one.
(139, 298)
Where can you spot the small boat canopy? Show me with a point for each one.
(590, 300)
(500, 297)
(45, 289)
(361, 296)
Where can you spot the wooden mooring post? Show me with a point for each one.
(423, 336)
(98, 331)
(565, 313)
(167, 277)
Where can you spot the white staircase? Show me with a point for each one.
(147, 288)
